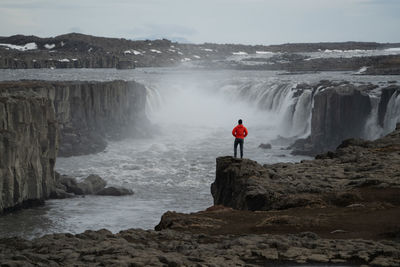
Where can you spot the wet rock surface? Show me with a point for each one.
(92, 185)
(340, 111)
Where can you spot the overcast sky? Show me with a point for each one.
(198, 21)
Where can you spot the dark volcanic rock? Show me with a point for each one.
(171, 248)
(125, 65)
(339, 113)
(331, 179)
(114, 191)
(71, 185)
(28, 149)
(265, 146)
(89, 113)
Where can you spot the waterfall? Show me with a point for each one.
(392, 116)
(372, 130)
(153, 99)
(290, 108)
(271, 101)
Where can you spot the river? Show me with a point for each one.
(193, 113)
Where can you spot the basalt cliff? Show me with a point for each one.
(89, 113)
(342, 110)
(42, 120)
(28, 145)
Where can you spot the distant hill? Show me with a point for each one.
(75, 50)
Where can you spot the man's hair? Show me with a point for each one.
(240, 121)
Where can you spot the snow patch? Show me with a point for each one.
(28, 46)
(196, 56)
(127, 52)
(208, 50)
(64, 60)
(74, 59)
(393, 49)
(135, 52)
(333, 51)
(362, 70)
(264, 52)
(155, 51)
(240, 53)
(49, 46)
(185, 59)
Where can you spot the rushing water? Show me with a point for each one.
(193, 113)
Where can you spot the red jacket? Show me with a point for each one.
(239, 131)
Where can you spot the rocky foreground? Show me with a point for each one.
(172, 248)
(342, 208)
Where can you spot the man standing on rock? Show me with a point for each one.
(239, 132)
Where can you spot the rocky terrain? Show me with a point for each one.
(84, 51)
(89, 113)
(335, 178)
(174, 248)
(342, 208)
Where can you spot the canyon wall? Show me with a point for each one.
(42, 120)
(28, 146)
(338, 114)
(89, 113)
(343, 110)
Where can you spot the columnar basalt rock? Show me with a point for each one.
(36, 116)
(28, 147)
(89, 113)
(339, 113)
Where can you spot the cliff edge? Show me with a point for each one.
(334, 178)
(28, 145)
(90, 113)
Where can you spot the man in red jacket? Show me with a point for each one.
(239, 132)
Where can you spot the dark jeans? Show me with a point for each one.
(238, 141)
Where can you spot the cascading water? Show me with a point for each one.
(392, 116)
(291, 113)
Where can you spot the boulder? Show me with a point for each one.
(71, 185)
(114, 191)
(92, 184)
(60, 194)
(265, 146)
